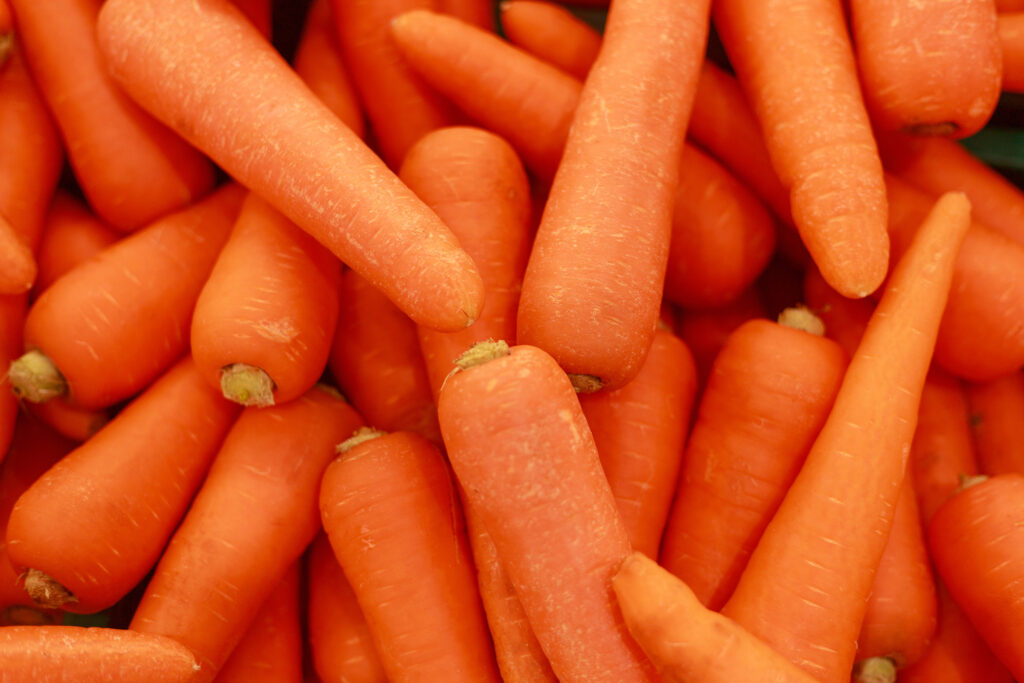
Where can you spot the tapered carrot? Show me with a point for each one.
(839, 508)
(202, 67)
(705, 332)
(475, 182)
(521, 449)
(997, 423)
(64, 653)
(342, 648)
(845, 319)
(258, 501)
(68, 419)
(552, 33)
(131, 168)
(258, 12)
(770, 390)
(1011, 39)
(130, 308)
(390, 509)
(263, 323)
(976, 540)
(796, 65)
(72, 234)
(685, 640)
(141, 471)
(477, 12)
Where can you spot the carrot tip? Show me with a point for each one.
(359, 436)
(943, 129)
(35, 378)
(332, 391)
(45, 591)
(482, 352)
(967, 481)
(22, 615)
(247, 384)
(875, 670)
(802, 318)
(586, 384)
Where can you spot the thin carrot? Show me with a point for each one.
(129, 308)
(1011, 39)
(142, 469)
(477, 12)
(259, 12)
(997, 423)
(839, 508)
(202, 67)
(389, 507)
(845, 319)
(552, 33)
(72, 234)
(769, 392)
(68, 419)
(524, 456)
(17, 262)
(795, 62)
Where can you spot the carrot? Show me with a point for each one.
(476, 184)
(129, 308)
(131, 168)
(263, 323)
(1003, 6)
(342, 648)
(202, 67)
(524, 456)
(389, 507)
(552, 33)
(769, 393)
(640, 430)
(258, 12)
(477, 12)
(6, 32)
(685, 640)
(796, 65)
(12, 317)
(1011, 40)
(318, 61)
(17, 263)
(68, 419)
(845, 319)
(977, 543)
(375, 359)
(141, 470)
(606, 227)
(52, 653)
(838, 510)
(997, 423)
(72, 234)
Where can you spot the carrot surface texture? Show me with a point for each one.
(553, 33)
(838, 510)
(997, 423)
(201, 67)
(72, 234)
(1011, 38)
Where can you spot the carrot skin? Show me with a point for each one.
(997, 423)
(705, 331)
(1011, 39)
(552, 33)
(71, 235)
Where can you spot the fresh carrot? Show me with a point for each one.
(1011, 39)
(342, 648)
(769, 392)
(552, 33)
(141, 470)
(640, 430)
(17, 263)
(976, 540)
(390, 509)
(259, 12)
(376, 361)
(6, 32)
(129, 308)
(1004, 6)
(12, 318)
(838, 510)
(72, 234)
(263, 323)
(997, 423)
(685, 640)
(796, 65)
(63, 653)
(477, 12)
(845, 319)
(131, 168)
(72, 421)
(524, 456)
(473, 180)
(202, 67)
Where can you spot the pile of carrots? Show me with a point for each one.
(450, 340)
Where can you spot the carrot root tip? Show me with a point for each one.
(23, 615)
(586, 384)
(247, 384)
(45, 591)
(331, 391)
(943, 129)
(875, 670)
(35, 378)
(359, 436)
(967, 481)
(6, 46)
(482, 352)
(802, 318)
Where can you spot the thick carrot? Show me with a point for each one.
(64, 653)
(769, 392)
(838, 510)
(141, 470)
(1011, 39)
(997, 423)
(201, 66)
(17, 262)
(131, 168)
(474, 181)
(552, 33)
(390, 509)
(129, 308)
(976, 540)
(640, 430)
(263, 323)
(72, 234)
(845, 319)
(685, 640)
(524, 456)
(477, 12)
(795, 62)
(705, 332)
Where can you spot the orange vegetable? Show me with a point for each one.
(552, 33)
(72, 234)
(997, 423)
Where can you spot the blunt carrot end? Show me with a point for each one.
(247, 384)
(35, 378)
(359, 436)
(586, 384)
(802, 318)
(875, 670)
(481, 352)
(45, 591)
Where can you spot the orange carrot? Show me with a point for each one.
(141, 471)
(72, 234)
(12, 319)
(477, 12)
(129, 308)
(524, 456)
(1003, 6)
(997, 423)
(17, 263)
(795, 62)
(68, 419)
(685, 640)
(1011, 40)
(390, 509)
(6, 32)
(201, 66)
(845, 319)
(769, 393)
(258, 12)
(476, 184)
(705, 332)
(838, 510)
(552, 33)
